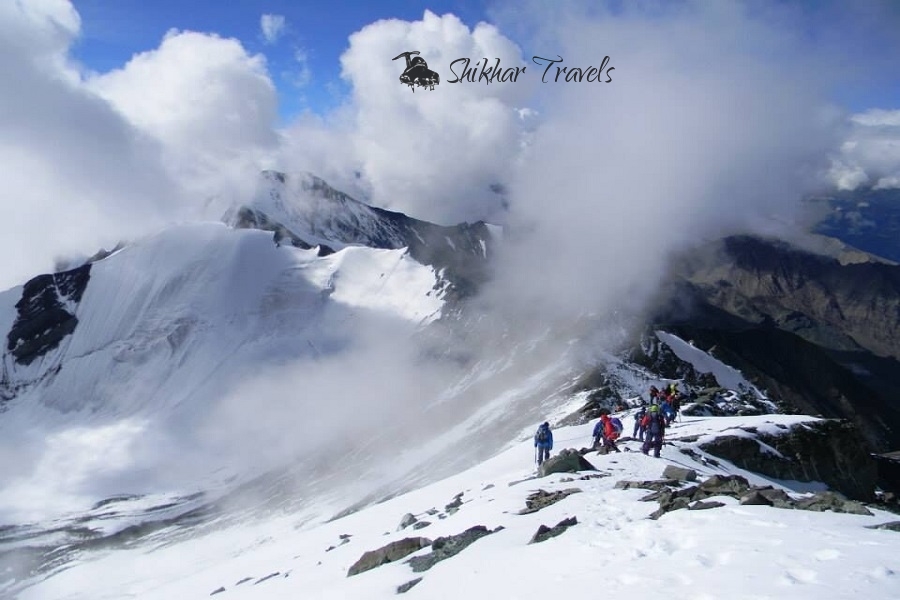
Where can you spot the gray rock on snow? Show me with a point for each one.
(389, 553)
(445, 547)
(542, 499)
(544, 533)
(567, 461)
(679, 473)
(407, 520)
(402, 589)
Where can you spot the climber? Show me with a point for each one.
(610, 434)
(655, 429)
(543, 442)
(638, 428)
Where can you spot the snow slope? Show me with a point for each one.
(739, 552)
(176, 333)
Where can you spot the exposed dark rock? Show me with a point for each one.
(445, 547)
(403, 588)
(244, 580)
(567, 461)
(829, 451)
(218, 591)
(44, 318)
(679, 473)
(541, 499)
(701, 505)
(545, 533)
(602, 400)
(696, 455)
(421, 524)
(389, 553)
(656, 356)
(267, 577)
(821, 337)
(888, 468)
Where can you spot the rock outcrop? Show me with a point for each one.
(46, 313)
(671, 497)
(829, 451)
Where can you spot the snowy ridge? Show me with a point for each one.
(734, 551)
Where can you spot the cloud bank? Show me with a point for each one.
(871, 154)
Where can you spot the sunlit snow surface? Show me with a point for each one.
(729, 552)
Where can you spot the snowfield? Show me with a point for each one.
(735, 552)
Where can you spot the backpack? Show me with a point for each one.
(543, 435)
(617, 424)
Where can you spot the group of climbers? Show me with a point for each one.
(650, 424)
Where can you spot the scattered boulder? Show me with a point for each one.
(828, 450)
(755, 498)
(542, 499)
(822, 501)
(402, 589)
(446, 547)
(679, 473)
(421, 524)
(567, 461)
(454, 504)
(892, 526)
(777, 498)
(656, 486)
(544, 533)
(389, 553)
(407, 520)
(725, 485)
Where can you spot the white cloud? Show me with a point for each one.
(434, 154)
(212, 107)
(272, 27)
(871, 155)
(699, 134)
(74, 175)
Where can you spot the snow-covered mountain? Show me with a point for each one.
(274, 376)
(305, 211)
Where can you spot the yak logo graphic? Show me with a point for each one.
(417, 72)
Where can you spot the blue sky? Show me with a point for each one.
(114, 30)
